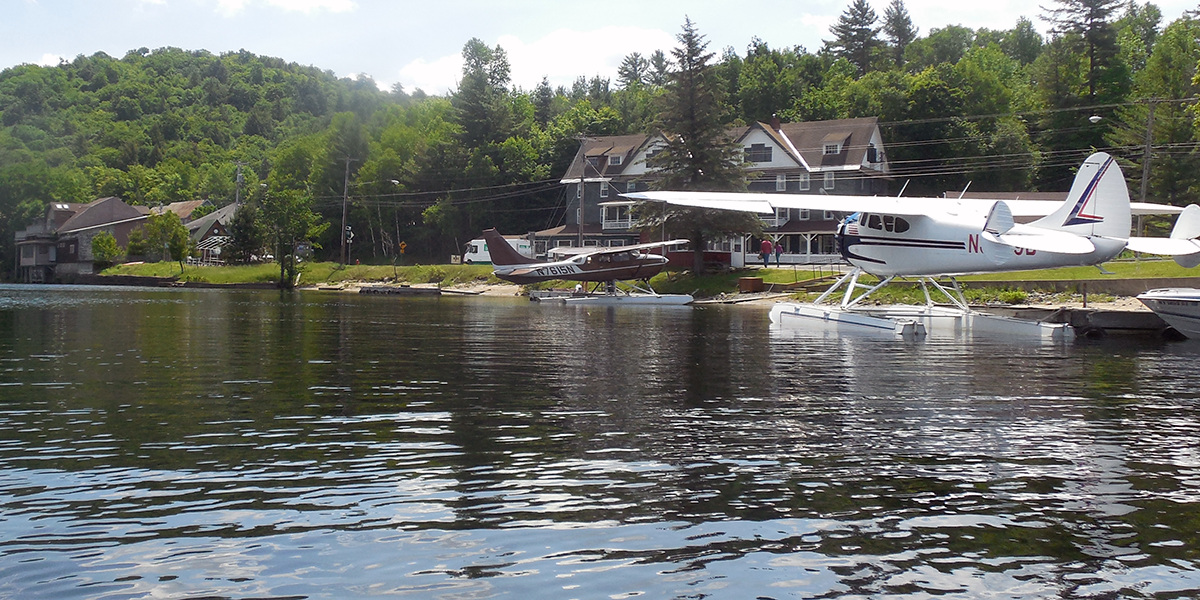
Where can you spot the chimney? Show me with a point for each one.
(775, 121)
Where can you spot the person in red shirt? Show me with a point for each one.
(767, 248)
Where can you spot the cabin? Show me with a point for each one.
(59, 246)
(210, 234)
(845, 156)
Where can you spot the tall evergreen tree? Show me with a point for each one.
(481, 100)
(1091, 20)
(632, 71)
(660, 69)
(855, 35)
(543, 100)
(899, 29)
(699, 154)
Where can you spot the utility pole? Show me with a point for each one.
(237, 195)
(345, 202)
(1146, 151)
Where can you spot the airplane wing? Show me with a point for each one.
(595, 250)
(767, 203)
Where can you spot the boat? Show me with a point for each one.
(1179, 307)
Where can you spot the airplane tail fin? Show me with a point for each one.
(1187, 227)
(1098, 203)
(502, 253)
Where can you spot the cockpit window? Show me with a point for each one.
(901, 225)
(874, 221)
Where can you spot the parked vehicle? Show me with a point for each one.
(476, 251)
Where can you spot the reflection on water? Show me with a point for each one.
(251, 444)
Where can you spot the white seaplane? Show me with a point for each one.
(934, 238)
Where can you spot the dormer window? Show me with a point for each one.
(758, 153)
(614, 161)
(833, 149)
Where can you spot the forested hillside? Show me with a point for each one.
(1002, 109)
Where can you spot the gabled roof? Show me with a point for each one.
(599, 149)
(100, 212)
(222, 215)
(809, 139)
(183, 209)
(803, 142)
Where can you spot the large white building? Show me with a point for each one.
(844, 156)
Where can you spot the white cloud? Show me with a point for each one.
(50, 60)
(229, 8)
(435, 77)
(562, 56)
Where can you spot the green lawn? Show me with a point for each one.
(1121, 269)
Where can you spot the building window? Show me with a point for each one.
(26, 251)
(804, 179)
(614, 161)
(781, 183)
(829, 180)
(631, 187)
(833, 149)
(829, 215)
(594, 161)
(616, 242)
(579, 190)
(603, 189)
(804, 214)
(758, 153)
(872, 153)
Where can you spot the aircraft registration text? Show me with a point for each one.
(556, 270)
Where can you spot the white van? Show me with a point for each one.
(476, 250)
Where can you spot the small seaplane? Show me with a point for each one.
(934, 239)
(603, 266)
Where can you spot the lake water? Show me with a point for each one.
(218, 444)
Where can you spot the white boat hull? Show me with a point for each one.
(1179, 307)
(921, 320)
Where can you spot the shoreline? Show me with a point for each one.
(512, 290)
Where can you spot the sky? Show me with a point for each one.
(418, 44)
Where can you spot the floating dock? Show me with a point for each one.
(400, 290)
(1092, 322)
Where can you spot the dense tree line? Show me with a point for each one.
(1002, 109)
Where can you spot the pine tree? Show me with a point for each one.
(660, 69)
(855, 35)
(699, 154)
(543, 99)
(1091, 21)
(632, 71)
(898, 28)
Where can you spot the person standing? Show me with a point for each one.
(778, 252)
(766, 249)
